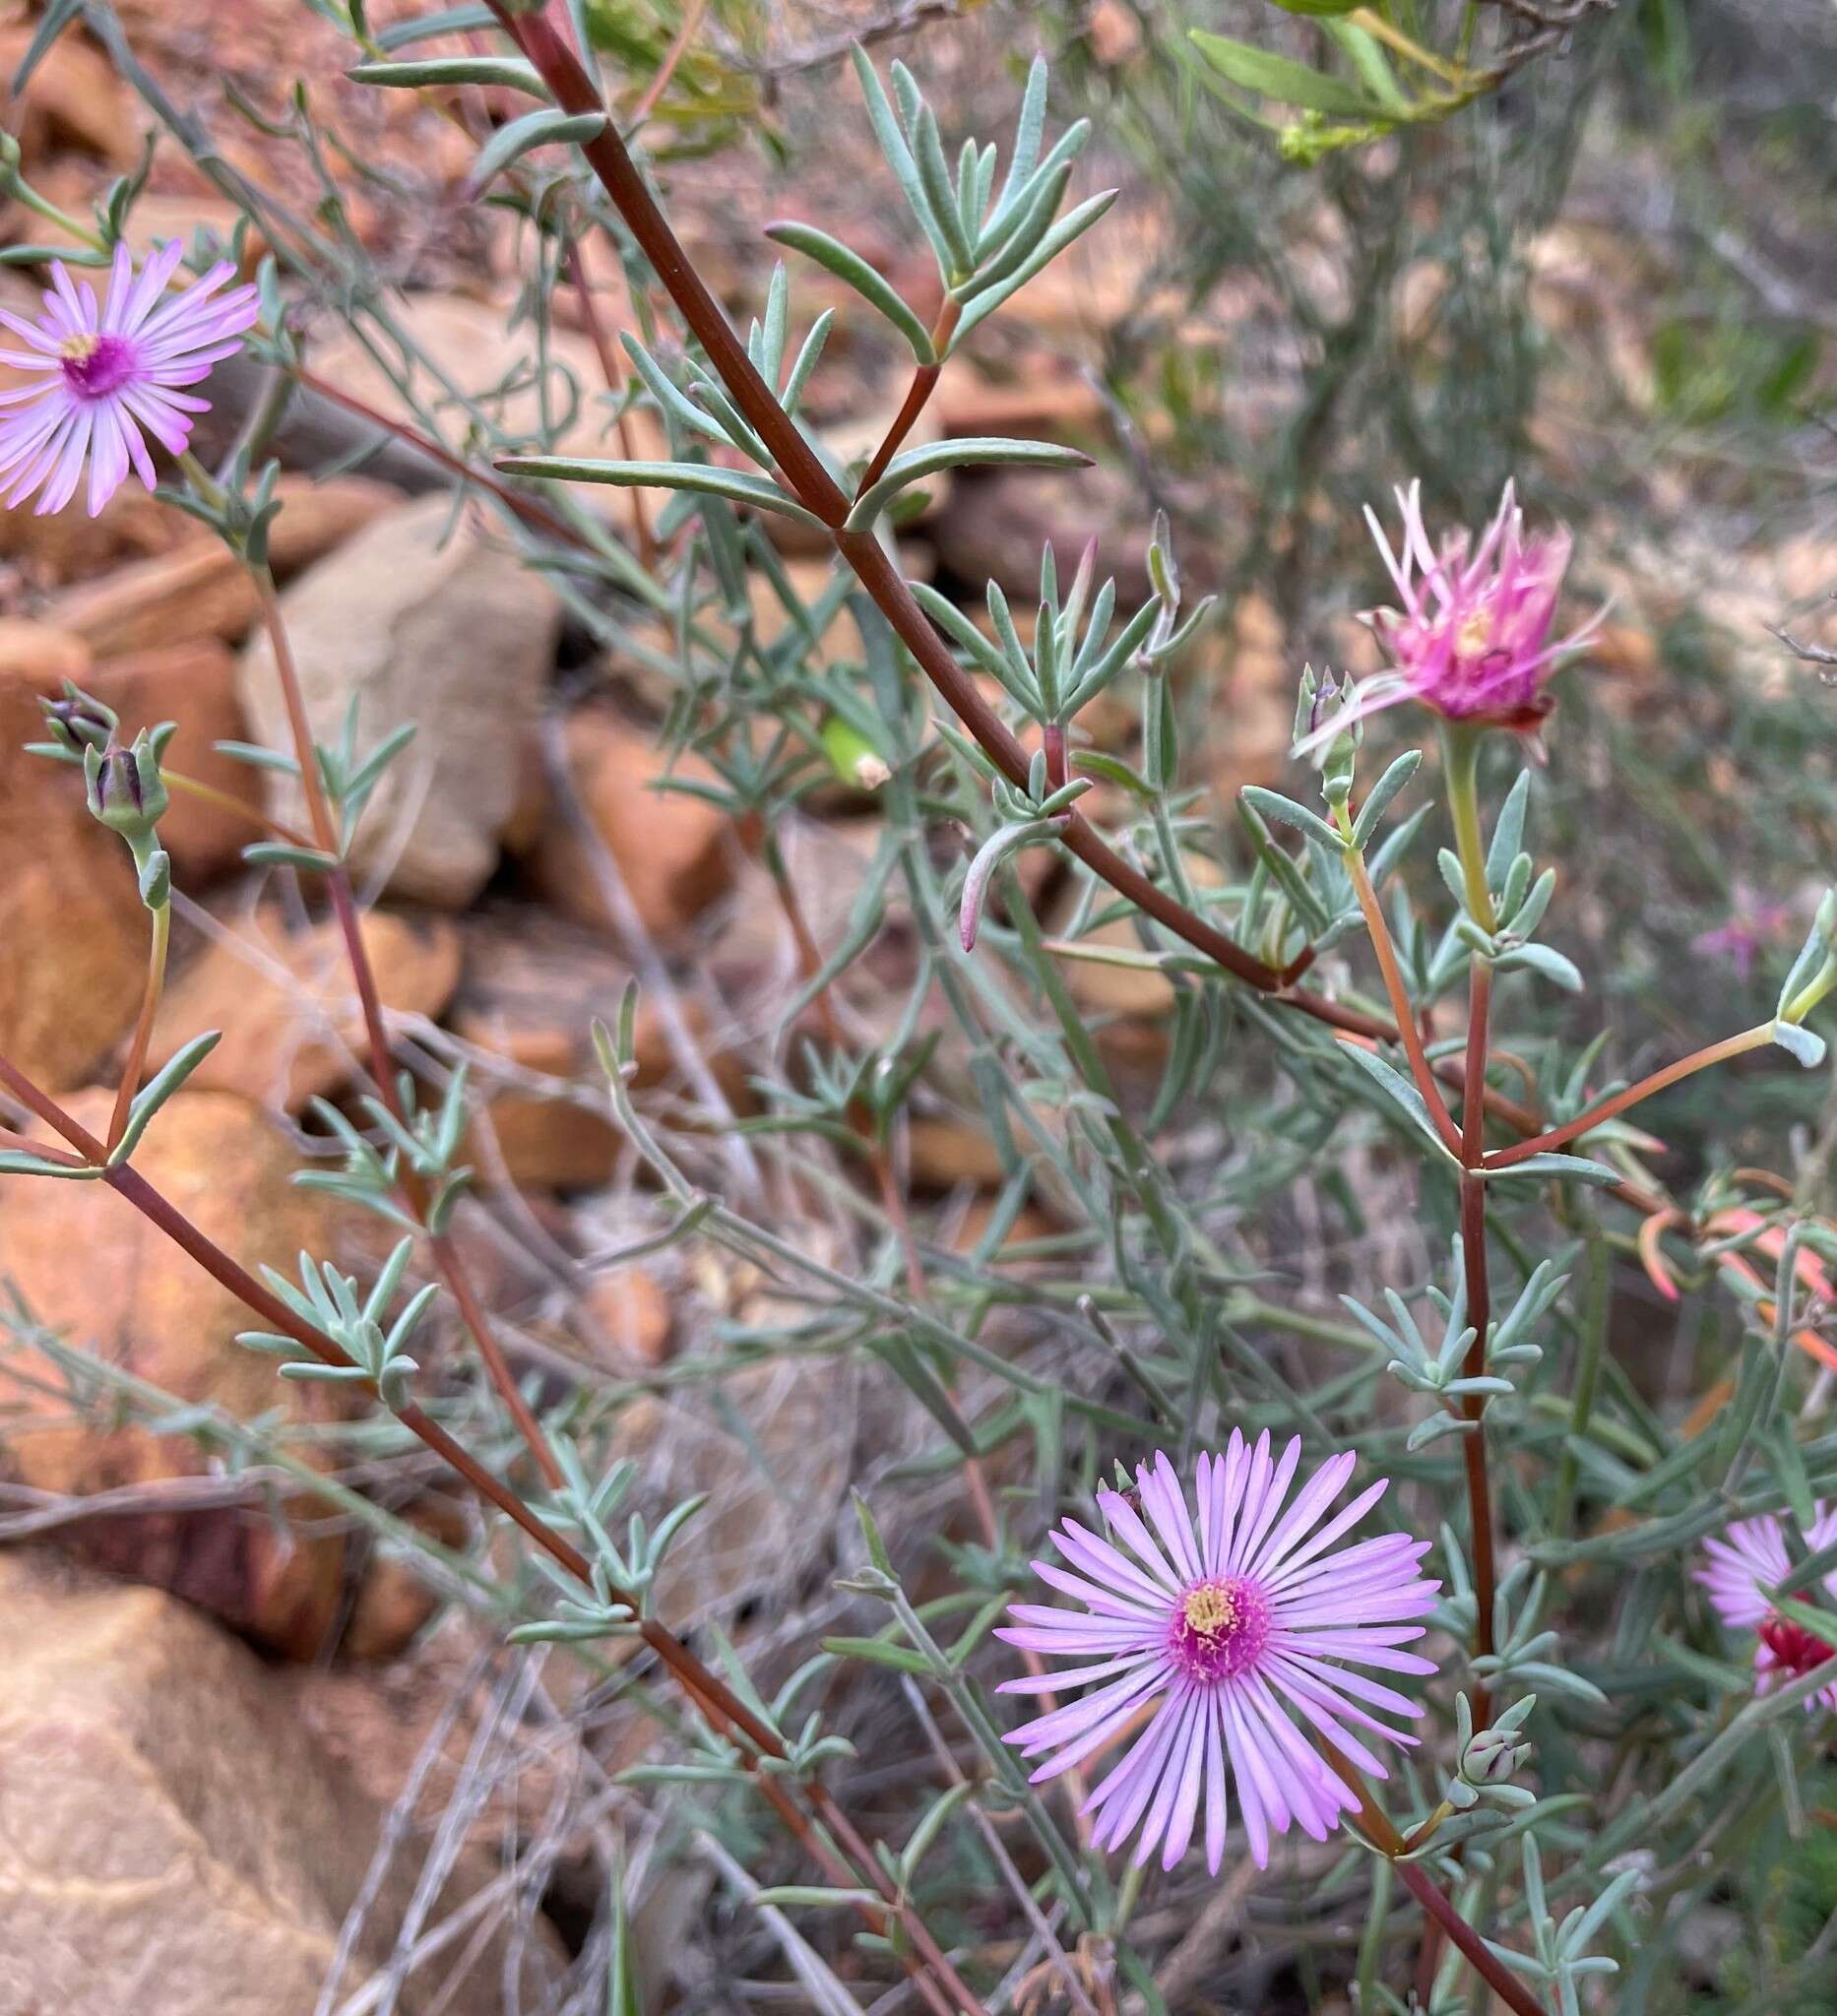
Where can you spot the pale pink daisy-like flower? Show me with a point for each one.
(1470, 635)
(1229, 1630)
(104, 373)
(1750, 1559)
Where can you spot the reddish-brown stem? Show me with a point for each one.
(376, 1036)
(531, 510)
(1481, 1957)
(134, 1062)
(1399, 997)
(1698, 1060)
(1381, 1832)
(703, 1686)
(918, 395)
(801, 470)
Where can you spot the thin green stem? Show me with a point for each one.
(134, 1062)
(1460, 755)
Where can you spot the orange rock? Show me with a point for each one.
(157, 1316)
(633, 1312)
(40, 658)
(532, 985)
(76, 939)
(199, 588)
(673, 851)
(75, 932)
(73, 99)
(286, 1005)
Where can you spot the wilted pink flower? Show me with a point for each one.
(1470, 637)
(1229, 1628)
(1742, 1566)
(104, 373)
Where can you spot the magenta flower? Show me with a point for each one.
(1470, 637)
(1221, 1632)
(105, 374)
(1742, 1566)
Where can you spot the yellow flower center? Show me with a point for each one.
(1475, 633)
(1210, 1610)
(80, 348)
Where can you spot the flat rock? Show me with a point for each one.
(285, 1001)
(197, 587)
(672, 850)
(420, 620)
(172, 1839)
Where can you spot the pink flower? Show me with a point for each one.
(1741, 1567)
(1470, 637)
(1754, 923)
(1225, 1631)
(105, 374)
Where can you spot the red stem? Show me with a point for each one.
(1486, 1963)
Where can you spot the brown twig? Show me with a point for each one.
(723, 1708)
(1399, 997)
(917, 393)
(376, 1033)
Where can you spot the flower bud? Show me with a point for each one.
(80, 720)
(126, 791)
(1494, 1755)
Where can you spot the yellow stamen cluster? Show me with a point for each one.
(1210, 1610)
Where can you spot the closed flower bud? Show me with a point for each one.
(126, 791)
(78, 721)
(1493, 1757)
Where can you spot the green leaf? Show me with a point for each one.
(1401, 1093)
(699, 477)
(509, 72)
(1318, 9)
(1387, 787)
(1273, 805)
(547, 127)
(161, 1088)
(855, 271)
(56, 19)
(878, 1652)
(424, 27)
(1287, 83)
(278, 853)
(1577, 1167)
(1070, 226)
(973, 452)
(811, 1897)
(16, 1161)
